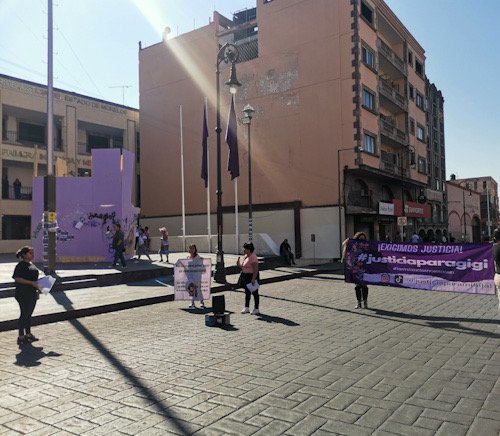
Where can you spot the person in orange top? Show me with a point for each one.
(249, 274)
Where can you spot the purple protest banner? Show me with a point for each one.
(466, 268)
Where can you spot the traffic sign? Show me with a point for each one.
(402, 221)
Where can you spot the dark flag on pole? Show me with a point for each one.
(204, 149)
(233, 165)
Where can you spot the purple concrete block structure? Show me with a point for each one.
(87, 208)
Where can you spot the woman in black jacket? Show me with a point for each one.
(27, 292)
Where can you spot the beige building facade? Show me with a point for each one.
(80, 124)
(488, 189)
(338, 137)
(464, 213)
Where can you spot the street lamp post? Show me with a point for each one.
(228, 53)
(248, 112)
(410, 161)
(465, 225)
(50, 179)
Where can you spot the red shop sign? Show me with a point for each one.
(412, 209)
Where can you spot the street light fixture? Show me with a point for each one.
(228, 53)
(465, 223)
(248, 112)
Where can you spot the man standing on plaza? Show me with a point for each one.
(118, 245)
(286, 253)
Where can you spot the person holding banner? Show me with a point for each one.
(27, 292)
(195, 293)
(249, 275)
(496, 258)
(360, 288)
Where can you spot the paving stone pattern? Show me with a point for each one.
(416, 363)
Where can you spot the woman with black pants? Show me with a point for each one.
(27, 292)
(249, 274)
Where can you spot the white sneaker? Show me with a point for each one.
(192, 306)
(245, 310)
(255, 312)
(202, 305)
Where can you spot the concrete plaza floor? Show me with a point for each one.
(416, 362)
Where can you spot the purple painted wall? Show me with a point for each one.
(87, 207)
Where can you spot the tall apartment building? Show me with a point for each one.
(436, 163)
(488, 189)
(81, 123)
(339, 140)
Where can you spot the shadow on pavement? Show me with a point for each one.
(277, 320)
(229, 328)
(435, 319)
(29, 355)
(439, 322)
(197, 310)
(444, 322)
(147, 393)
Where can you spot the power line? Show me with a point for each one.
(81, 64)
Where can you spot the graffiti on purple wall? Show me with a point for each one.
(87, 208)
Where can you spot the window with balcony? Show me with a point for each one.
(96, 141)
(368, 99)
(368, 57)
(419, 67)
(419, 100)
(31, 133)
(367, 12)
(137, 147)
(411, 91)
(420, 133)
(369, 143)
(4, 127)
(422, 165)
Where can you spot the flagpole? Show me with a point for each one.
(182, 183)
(236, 215)
(209, 228)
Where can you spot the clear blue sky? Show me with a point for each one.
(96, 51)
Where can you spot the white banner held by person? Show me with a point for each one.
(192, 277)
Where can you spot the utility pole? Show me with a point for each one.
(49, 198)
(123, 87)
(488, 206)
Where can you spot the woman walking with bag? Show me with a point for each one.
(164, 244)
(249, 275)
(27, 292)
